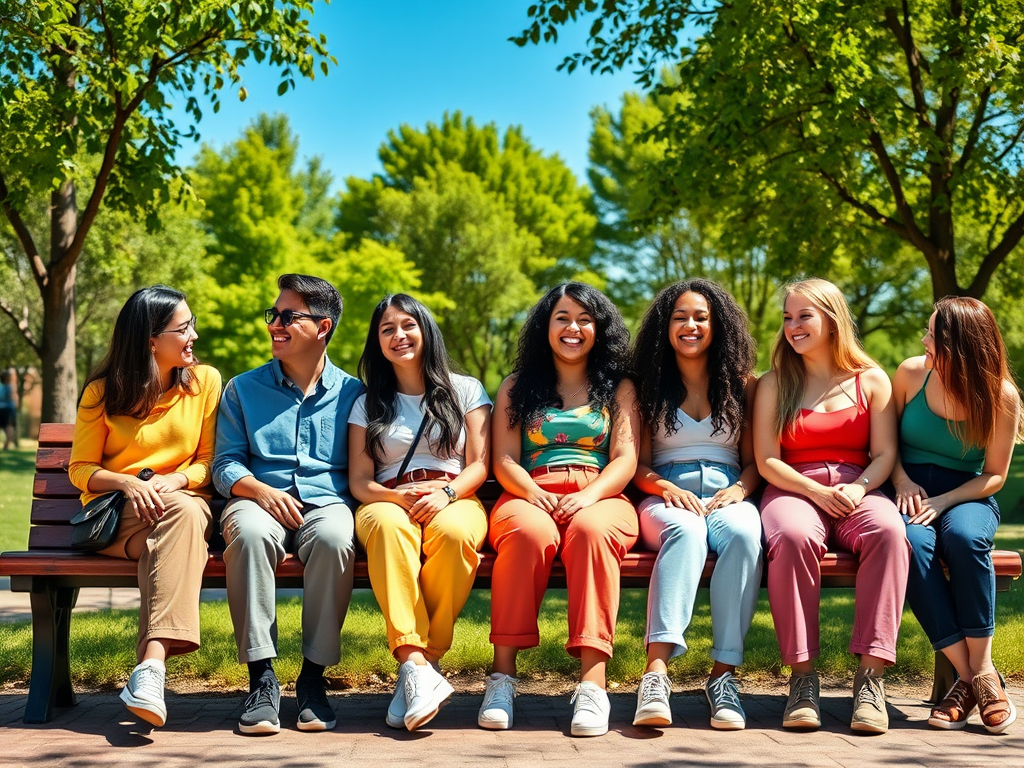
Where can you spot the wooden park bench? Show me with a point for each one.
(52, 574)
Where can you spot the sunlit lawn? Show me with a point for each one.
(104, 642)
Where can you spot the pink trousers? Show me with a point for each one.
(798, 534)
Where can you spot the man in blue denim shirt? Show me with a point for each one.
(282, 458)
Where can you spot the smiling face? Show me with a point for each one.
(806, 327)
(929, 343)
(401, 338)
(689, 327)
(172, 346)
(304, 337)
(571, 331)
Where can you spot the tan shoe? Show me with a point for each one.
(802, 710)
(956, 706)
(869, 712)
(997, 711)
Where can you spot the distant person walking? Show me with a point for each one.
(9, 407)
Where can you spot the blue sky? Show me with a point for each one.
(408, 61)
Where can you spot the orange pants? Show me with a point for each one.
(593, 543)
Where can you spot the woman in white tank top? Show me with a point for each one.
(693, 360)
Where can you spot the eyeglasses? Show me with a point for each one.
(180, 330)
(288, 316)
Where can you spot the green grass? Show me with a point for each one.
(103, 642)
(16, 470)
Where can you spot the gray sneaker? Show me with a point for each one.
(652, 694)
(724, 697)
(315, 711)
(802, 710)
(261, 709)
(869, 713)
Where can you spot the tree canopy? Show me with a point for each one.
(96, 78)
(910, 115)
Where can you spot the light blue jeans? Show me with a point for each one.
(682, 541)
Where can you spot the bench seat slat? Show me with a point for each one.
(53, 485)
(56, 434)
(53, 458)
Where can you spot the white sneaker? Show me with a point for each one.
(652, 700)
(724, 697)
(425, 692)
(144, 692)
(590, 711)
(496, 710)
(396, 709)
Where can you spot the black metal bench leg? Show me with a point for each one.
(51, 663)
(945, 676)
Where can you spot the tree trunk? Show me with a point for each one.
(60, 375)
(944, 280)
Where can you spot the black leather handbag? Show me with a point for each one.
(95, 527)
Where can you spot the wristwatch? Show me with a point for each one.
(864, 481)
(452, 495)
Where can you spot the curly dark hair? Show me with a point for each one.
(731, 359)
(536, 383)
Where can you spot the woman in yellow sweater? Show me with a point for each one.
(150, 411)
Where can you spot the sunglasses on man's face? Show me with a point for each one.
(288, 316)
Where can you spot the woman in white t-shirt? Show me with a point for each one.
(426, 508)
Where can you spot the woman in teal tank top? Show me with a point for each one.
(563, 441)
(959, 418)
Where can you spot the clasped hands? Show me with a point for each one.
(675, 496)
(838, 501)
(562, 507)
(913, 501)
(143, 496)
(423, 500)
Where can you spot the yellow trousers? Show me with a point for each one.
(421, 598)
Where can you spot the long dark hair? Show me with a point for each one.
(133, 383)
(732, 356)
(970, 359)
(536, 382)
(440, 401)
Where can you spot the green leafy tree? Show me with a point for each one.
(120, 255)
(910, 116)
(751, 251)
(541, 193)
(469, 250)
(266, 214)
(95, 78)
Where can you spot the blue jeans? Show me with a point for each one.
(962, 537)
(682, 541)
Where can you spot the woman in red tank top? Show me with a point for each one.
(825, 439)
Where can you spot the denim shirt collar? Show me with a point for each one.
(328, 378)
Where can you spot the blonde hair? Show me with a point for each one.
(848, 355)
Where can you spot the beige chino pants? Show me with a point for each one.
(172, 555)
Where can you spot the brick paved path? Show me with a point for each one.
(201, 731)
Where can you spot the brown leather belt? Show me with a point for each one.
(548, 470)
(417, 475)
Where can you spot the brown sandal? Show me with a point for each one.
(997, 711)
(956, 706)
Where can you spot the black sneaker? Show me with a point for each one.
(261, 708)
(315, 712)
